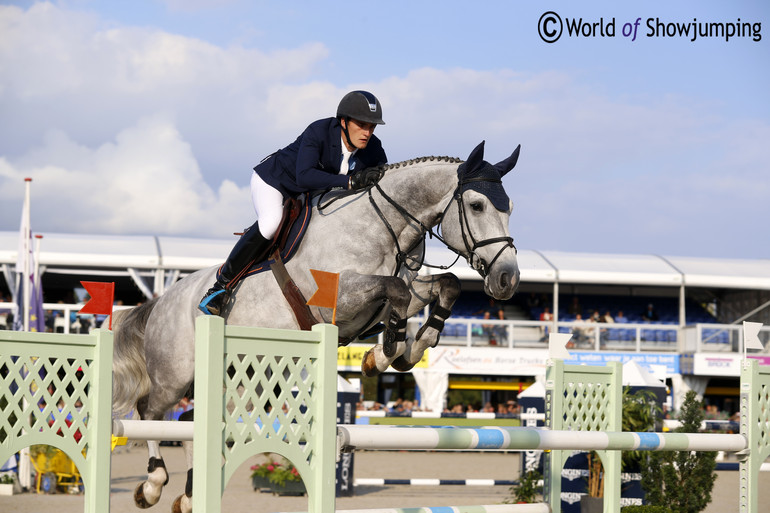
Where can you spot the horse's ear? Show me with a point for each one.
(476, 158)
(506, 165)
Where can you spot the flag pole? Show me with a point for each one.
(27, 236)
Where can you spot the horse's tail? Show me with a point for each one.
(129, 368)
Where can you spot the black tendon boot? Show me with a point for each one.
(251, 247)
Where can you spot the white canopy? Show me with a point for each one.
(149, 252)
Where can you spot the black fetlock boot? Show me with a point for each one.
(250, 248)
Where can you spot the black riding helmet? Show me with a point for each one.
(361, 106)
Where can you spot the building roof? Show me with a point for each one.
(59, 251)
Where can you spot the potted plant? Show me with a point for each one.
(259, 476)
(527, 490)
(8, 485)
(280, 476)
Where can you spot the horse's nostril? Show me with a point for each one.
(504, 280)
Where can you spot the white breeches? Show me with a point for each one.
(268, 203)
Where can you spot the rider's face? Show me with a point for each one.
(359, 132)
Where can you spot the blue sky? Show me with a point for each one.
(146, 117)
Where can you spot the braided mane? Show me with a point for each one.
(418, 160)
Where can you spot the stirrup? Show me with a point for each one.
(204, 304)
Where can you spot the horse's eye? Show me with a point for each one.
(477, 206)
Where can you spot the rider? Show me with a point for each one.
(331, 152)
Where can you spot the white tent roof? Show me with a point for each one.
(636, 375)
(189, 254)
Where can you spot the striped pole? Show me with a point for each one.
(515, 438)
(540, 507)
(502, 438)
(373, 481)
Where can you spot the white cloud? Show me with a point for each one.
(145, 181)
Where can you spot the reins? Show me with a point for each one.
(470, 242)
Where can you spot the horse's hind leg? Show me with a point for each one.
(183, 503)
(154, 407)
(147, 493)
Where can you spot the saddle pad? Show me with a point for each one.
(296, 232)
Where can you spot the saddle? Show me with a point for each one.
(294, 223)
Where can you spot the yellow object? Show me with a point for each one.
(52, 460)
(118, 440)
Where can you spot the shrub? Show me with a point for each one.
(681, 480)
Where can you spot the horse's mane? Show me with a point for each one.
(419, 160)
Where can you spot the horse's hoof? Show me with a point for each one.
(401, 365)
(182, 504)
(139, 499)
(368, 365)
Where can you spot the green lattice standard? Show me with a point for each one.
(755, 426)
(280, 396)
(584, 398)
(54, 388)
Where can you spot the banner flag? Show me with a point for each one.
(557, 345)
(326, 295)
(102, 296)
(751, 335)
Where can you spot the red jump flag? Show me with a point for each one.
(102, 296)
(326, 295)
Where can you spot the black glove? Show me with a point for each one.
(364, 178)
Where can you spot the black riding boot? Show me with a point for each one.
(251, 247)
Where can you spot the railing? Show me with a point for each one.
(66, 319)
(711, 338)
(520, 334)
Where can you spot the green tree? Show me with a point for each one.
(681, 480)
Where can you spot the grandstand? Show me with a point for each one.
(700, 302)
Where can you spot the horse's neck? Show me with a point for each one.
(423, 190)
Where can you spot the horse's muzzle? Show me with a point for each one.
(503, 280)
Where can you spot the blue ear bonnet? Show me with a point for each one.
(484, 179)
(479, 175)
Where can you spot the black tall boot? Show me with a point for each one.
(251, 247)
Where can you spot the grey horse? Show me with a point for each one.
(375, 240)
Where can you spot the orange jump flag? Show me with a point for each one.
(102, 296)
(326, 295)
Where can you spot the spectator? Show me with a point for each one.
(575, 309)
(650, 314)
(620, 318)
(579, 331)
(546, 316)
(492, 331)
(604, 334)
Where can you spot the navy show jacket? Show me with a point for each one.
(312, 162)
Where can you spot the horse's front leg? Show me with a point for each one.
(357, 291)
(444, 289)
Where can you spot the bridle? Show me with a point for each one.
(471, 243)
(473, 258)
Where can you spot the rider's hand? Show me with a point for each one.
(364, 178)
